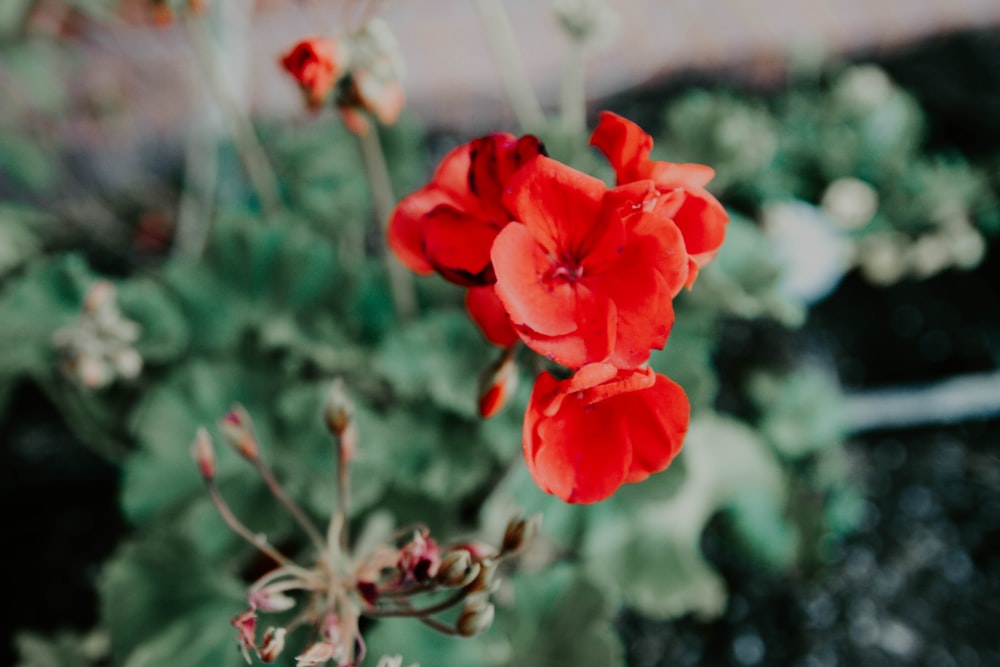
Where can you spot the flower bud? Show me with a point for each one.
(272, 644)
(203, 453)
(338, 410)
(272, 599)
(457, 569)
(475, 618)
(485, 580)
(237, 429)
(519, 533)
(420, 558)
(316, 64)
(316, 654)
(497, 383)
(246, 629)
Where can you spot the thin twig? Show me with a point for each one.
(258, 541)
(383, 201)
(293, 508)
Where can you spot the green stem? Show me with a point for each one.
(572, 93)
(383, 201)
(503, 43)
(251, 152)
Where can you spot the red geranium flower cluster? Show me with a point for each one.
(584, 275)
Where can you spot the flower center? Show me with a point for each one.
(566, 269)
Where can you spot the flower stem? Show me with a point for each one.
(503, 43)
(572, 94)
(383, 201)
(258, 541)
(439, 626)
(293, 508)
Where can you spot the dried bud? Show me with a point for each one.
(272, 644)
(237, 429)
(203, 453)
(457, 568)
(246, 628)
(338, 411)
(316, 654)
(519, 533)
(497, 383)
(475, 618)
(420, 558)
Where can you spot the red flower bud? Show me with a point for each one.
(204, 453)
(316, 64)
(497, 384)
(237, 429)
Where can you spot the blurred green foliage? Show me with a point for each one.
(274, 310)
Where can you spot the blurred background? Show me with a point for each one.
(845, 345)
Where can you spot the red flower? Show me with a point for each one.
(591, 274)
(698, 214)
(316, 64)
(449, 225)
(586, 436)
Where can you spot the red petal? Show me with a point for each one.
(658, 420)
(458, 245)
(558, 204)
(582, 450)
(670, 175)
(405, 234)
(578, 454)
(488, 313)
(702, 221)
(625, 145)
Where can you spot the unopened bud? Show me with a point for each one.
(237, 429)
(485, 580)
(497, 383)
(475, 618)
(519, 533)
(204, 453)
(272, 644)
(272, 599)
(338, 411)
(457, 568)
(316, 654)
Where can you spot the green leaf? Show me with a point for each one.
(161, 602)
(20, 236)
(654, 558)
(164, 331)
(559, 617)
(438, 357)
(61, 650)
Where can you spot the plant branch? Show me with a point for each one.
(383, 202)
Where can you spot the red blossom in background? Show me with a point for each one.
(591, 274)
(316, 64)
(586, 436)
(697, 213)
